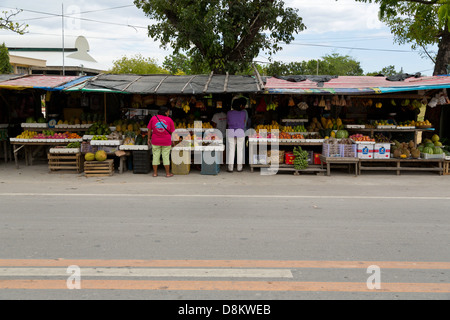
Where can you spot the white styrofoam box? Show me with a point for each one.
(65, 150)
(133, 147)
(382, 151)
(365, 151)
(105, 142)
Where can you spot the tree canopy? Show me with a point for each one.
(332, 64)
(136, 65)
(420, 23)
(227, 35)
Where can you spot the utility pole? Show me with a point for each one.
(63, 53)
(317, 67)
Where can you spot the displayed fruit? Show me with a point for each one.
(341, 134)
(298, 136)
(272, 106)
(27, 135)
(89, 156)
(381, 138)
(72, 135)
(273, 126)
(384, 123)
(361, 138)
(99, 128)
(404, 150)
(299, 128)
(101, 155)
(425, 123)
(99, 137)
(408, 123)
(301, 158)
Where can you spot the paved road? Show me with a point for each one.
(232, 236)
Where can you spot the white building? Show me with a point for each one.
(47, 55)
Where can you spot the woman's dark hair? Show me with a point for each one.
(239, 103)
(163, 110)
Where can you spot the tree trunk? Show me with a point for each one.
(443, 56)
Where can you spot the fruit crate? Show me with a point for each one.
(141, 162)
(431, 156)
(99, 168)
(273, 154)
(331, 150)
(69, 162)
(348, 150)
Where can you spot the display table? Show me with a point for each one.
(31, 148)
(446, 167)
(414, 131)
(253, 146)
(328, 161)
(398, 165)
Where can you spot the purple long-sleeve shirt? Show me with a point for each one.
(236, 120)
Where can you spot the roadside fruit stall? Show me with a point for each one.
(300, 126)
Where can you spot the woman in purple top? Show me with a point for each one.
(236, 119)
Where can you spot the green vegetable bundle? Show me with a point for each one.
(301, 158)
(74, 145)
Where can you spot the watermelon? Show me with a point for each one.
(341, 134)
(437, 150)
(428, 150)
(429, 145)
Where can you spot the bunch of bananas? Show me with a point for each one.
(186, 108)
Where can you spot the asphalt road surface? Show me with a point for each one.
(226, 237)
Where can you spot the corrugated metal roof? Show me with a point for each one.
(170, 84)
(355, 85)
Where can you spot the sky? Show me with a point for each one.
(116, 28)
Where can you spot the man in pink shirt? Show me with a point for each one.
(160, 129)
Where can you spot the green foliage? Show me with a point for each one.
(386, 71)
(180, 64)
(136, 65)
(332, 65)
(7, 23)
(5, 65)
(420, 23)
(226, 35)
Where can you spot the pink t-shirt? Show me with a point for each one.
(160, 136)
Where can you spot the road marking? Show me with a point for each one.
(148, 272)
(259, 196)
(227, 286)
(223, 264)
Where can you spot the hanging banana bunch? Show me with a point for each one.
(186, 107)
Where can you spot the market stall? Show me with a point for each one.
(374, 112)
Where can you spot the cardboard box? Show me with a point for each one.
(365, 151)
(382, 151)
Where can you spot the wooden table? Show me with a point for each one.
(398, 165)
(29, 152)
(254, 143)
(338, 160)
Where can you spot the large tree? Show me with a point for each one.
(422, 23)
(225, 34)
